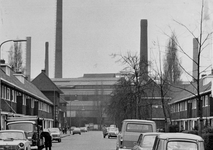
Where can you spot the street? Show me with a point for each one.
(92, 140)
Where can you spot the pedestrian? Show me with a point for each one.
(181, 128)
(63, 130)
(47, 140)
(104, 131)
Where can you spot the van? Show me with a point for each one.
(130, 131)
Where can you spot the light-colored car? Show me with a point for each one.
(130, 131)
(83, 129)
(14, 139)
(146, 141)
(76, 131)
(112, 132)
(178, 141)
(55, 134)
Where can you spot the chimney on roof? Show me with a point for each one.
(2, 61)
(44, 71)
(195, 59)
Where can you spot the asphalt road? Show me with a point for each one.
(92, 140)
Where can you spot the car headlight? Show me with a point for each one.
(21, 144)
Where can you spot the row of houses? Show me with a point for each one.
(184, 104)
(21, 97)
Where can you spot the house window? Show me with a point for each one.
(185, 105)
(178, 107)
(39, 105)
(194, 104)
(181, 106)
(3, 92)
(15, 96)
(24, 99)
(12, 96)
(32, 103)
(8, 94)
(206, 100)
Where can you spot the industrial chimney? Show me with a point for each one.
(47, 59)
(143, 50)
(28, 58)
(195, 59)
(58, 42)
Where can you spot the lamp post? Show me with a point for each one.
(0, 66)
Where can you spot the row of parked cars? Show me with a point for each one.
(78, 130)
(142, 135)
(18, 139)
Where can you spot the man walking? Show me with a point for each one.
(48, 140)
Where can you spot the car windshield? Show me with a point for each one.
(182, 145)
(54, 130)
(132, 127)
(148, 141)
(113, 129)
(11, 135)
(27, 127)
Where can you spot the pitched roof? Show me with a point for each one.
(189, 91)
(44, 83)
(27, 86)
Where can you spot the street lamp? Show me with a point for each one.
(0, 66)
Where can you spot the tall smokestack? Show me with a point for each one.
(47, 58)
(58, 42)
(195, 59)
(28, 58)
(144, 50)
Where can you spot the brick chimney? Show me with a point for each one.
(195, 58)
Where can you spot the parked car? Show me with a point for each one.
(76, 131)
(14, 139)
(146, 141)
(112, 132)
(55, 134)
(83, 129)
(178, 141)
(73, 127)
(130, 131)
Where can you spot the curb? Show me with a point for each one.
(65, 135)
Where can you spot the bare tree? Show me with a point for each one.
(201, 41)
(15, 57)
(135, 76)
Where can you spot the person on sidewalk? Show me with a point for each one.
(48, 140)
(104, 131)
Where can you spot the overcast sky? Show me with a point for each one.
(94, 29)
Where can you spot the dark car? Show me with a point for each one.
(76, 131)
(178, 141)
(146, 141)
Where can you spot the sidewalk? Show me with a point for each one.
(65, 135)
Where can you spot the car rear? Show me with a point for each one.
(131, 130)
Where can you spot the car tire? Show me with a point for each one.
(108, 137)
(59, 140)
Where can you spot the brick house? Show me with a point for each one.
(52, 92)
(19, 97)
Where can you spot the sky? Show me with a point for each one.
(95, 29)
